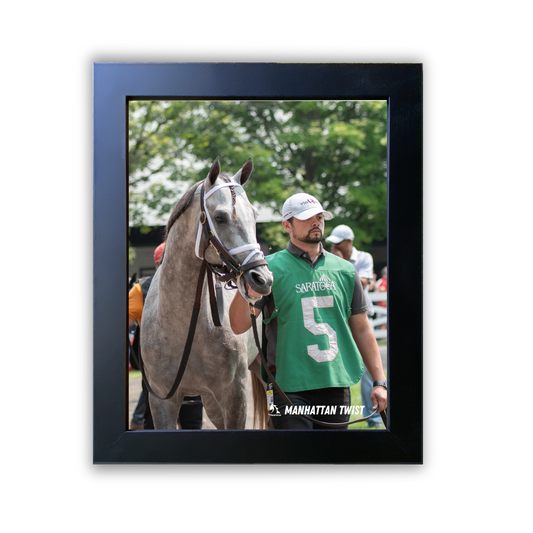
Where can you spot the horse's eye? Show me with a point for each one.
(220, 219)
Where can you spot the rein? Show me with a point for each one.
(229, 271)
(284, 396)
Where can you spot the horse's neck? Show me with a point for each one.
(180, 269)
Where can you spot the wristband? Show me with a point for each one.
(380, 383)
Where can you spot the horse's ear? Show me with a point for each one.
(245, 172)
(213, 174)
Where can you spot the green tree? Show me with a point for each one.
(333, 150)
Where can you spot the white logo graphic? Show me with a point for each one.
(323, 284)
(273, 410)
(311, 410)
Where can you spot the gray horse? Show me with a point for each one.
(219, 359)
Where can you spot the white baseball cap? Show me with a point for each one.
(340, 233)
(303, 206)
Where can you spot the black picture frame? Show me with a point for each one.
(115, 84)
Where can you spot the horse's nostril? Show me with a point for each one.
(258, 279)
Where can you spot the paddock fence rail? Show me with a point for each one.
(379, 322)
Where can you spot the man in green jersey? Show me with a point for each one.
(316, 331)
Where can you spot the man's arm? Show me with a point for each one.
(366, 342)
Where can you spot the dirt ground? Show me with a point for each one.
(136, 387)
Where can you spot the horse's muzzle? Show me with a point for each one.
(260, 280)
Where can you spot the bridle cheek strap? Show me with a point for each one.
(204, 209)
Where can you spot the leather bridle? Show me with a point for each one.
(230, 270)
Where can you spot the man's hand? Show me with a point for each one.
(239, 311)
(363, 335)
(251, 292)
(379, 398)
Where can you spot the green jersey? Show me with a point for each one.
(315, 348)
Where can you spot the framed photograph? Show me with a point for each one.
(118, 88)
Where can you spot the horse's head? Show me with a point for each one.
(232, 217)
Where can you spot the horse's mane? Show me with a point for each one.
(185, 201)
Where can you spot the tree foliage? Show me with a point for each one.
(335, 150)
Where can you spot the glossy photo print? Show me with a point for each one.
(292, 147)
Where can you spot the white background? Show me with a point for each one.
(477, 220)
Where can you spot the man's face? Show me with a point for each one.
(308, 231)
(344, 247)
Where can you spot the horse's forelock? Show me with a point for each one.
(225, 177)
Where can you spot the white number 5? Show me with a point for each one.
(308, 306)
